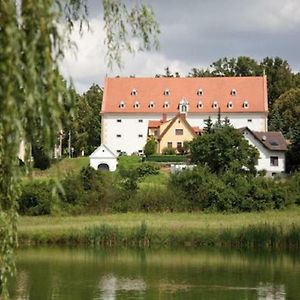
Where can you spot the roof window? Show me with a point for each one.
(122, 104)
(166, 92)
(136, 104)
(151, 104)
(166, 104)
(199, 92)
(200, 104)
(245, 104)
(230, 104)
(215, 104)
(133, 92)
(233, 92)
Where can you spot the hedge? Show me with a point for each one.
(167, 158)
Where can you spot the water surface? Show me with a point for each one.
(85, 273)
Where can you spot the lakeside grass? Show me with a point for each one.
(270, 229)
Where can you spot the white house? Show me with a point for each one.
(271, 146)
(129, 104)
(103, 159)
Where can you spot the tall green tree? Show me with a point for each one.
(293, 153)
(224, 149)
(31, 92)
(287, 107)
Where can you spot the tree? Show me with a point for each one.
(293, 153)
(85, 125)
(31, 91)
(150, 147)
(208, 128)
(224, 149)
(287, 107)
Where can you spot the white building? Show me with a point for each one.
(271, 147)
(130, 103)
(103, 159)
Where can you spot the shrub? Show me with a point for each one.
(36, 198)
(150, 147)
(168, 151)
(147, 168)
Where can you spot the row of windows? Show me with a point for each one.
(119, 151)
(120, 121)
(170, 145)
(200, 104)
(167, 92)
(120, 135)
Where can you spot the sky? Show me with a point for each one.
(194, 33)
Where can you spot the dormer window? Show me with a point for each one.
(166, 92)
(230, 104)
(122, 104)
(233, 92)
(215, 104)
(183, 106)
(245, 104)
(199, 92)
(151, 104)
(166, 104)
(200, 104)
(133, 92)
(136, 104)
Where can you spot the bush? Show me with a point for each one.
(36, 198)
(150, 147)
(168, 151)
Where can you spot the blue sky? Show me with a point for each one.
(194, 33)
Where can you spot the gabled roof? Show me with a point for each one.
(155, 123)
(272, 140)
(103, 152)
(206, 90)
(183, 120)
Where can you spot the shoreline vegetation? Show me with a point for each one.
(272, 230)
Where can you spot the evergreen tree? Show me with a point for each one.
(208, 128)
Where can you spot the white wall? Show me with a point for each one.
(111, 162)
(264, 162)
(130, 128)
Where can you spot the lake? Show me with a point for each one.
(88, 273)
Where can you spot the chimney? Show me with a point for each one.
(164, 117)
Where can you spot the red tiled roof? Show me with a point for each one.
(154, 124)
(196, 129)
(250, 89)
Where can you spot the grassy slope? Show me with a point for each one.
(59, 169)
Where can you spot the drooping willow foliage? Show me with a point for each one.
(33, 36)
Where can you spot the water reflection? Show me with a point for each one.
(60, 273)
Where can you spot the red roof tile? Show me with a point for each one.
(250, 89)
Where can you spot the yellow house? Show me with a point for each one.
(172, 133)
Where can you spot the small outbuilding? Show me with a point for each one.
(103, 159)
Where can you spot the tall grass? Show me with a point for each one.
(269, 230)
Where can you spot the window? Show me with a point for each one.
(166, 104)
(140, 135)
(140, 121)
(200, 104)
(274, 161)
(119, 120)
(233, 92)
(156, 132)
(179, 145)
(169, 145)
(215, 104)
(249, 120)
(151, 104)
(140, 151)
(245, 104)
(179, 131)
(119, 135)
(200, 92)
(133, 92)
(166, 92)
(229, 104)
(119, 151)
(136, 104)
(122, 104)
